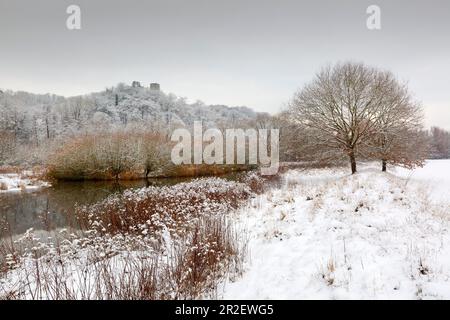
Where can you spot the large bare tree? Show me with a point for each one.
(341, 109)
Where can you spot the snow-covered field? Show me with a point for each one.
(16, 182)
(329, 235)
(435, 176)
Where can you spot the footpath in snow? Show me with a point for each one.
(330, 235)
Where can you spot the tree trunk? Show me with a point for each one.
(48, 129)
(352, 161)
(384, 166)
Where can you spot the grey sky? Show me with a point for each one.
(235, 52)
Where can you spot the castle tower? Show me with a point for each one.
(155, 86)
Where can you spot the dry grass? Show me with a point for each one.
(155, 208)
(259, 184)
(92, 268)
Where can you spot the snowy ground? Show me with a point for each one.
(16, 182)
(329, 235)
(435, 176)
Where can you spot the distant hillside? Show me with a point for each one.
(36, 117)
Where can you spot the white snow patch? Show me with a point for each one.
(15, 182)
(329, 235)
(435, 176)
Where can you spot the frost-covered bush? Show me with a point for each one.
(155, 208)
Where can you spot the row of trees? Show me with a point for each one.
(439, 143)
(355, 111)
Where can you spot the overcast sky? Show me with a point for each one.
(234, 52)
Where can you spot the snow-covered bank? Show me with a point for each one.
(435, 176)
(330, 235)
(17, 182)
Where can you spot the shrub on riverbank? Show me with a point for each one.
(118, 155)
(159, 209)
(126, 155)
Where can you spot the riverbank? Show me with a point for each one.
(167, 171)
(14, 182)
(173, 242)
(19, 179)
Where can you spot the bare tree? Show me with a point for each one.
(400, 139)
(299, 143)
(117, 153)
(340, 109)
(154, 151)
(7, 145)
